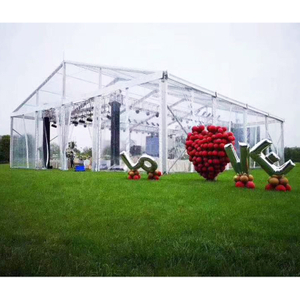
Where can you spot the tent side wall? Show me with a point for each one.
(27, 141)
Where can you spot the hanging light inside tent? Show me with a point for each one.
(157, 115)
(137, 111)
(75, 122)
(90, 119)
(81, 120)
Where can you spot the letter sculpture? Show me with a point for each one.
(240, 166)
(151, 170)
(277, 180)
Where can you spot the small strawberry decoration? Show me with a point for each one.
(205, 147)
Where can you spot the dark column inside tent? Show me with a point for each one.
(46, 142)
(115, 133)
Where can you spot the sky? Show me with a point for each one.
(258, 64)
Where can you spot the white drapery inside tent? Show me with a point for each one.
(63, 115)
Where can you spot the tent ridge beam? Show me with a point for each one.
(109, 67)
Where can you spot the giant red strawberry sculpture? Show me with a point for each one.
(206, 149)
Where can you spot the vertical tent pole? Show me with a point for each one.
(193, 107)
(62, 133)
(11, 142)
(282, 143)
(127, 127)
(245, 126)
(192, 168)
(63, 83)
(214, 109)
(163, 137)
(266, 132)
(255, 142)
(96, 150)
(66, 126)
(98, 135)
(26, 142)
(36, 139)
(37, 131)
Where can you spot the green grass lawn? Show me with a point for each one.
(55, 223)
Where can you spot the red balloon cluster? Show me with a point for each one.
(206, 149)
(244, 181)
(134, 175)
(278, 183)
(154, 175)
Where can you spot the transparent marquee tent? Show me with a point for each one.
(136, 111)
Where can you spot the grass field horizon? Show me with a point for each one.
(55, 223)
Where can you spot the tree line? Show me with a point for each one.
(292, 153)
(4, 149)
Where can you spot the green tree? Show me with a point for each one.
(292, 153)
(4, 148)
(87, 152)
(73, 146)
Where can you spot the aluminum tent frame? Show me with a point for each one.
(153, 103)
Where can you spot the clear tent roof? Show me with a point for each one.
(79, 82)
